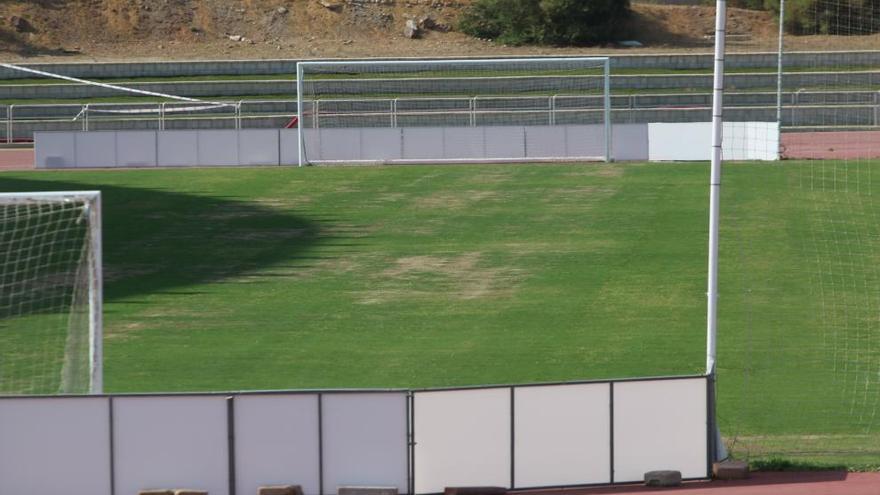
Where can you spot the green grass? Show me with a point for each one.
(420, 276)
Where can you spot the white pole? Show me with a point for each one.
(715, 185)
(779, 62)
(96, 299)
(608, 130)
(299, 112)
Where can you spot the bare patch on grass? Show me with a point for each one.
(461, 277)
(454, 201)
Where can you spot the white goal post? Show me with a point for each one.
(51, 293)
(465, 111)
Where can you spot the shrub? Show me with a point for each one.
(564, 22)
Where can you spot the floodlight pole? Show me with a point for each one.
(715, 446)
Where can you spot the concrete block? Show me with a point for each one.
(280, 490)
(475, 490)
(730, 470)
(367, 490)
(184, 491)
(663, 478)
(156, 492)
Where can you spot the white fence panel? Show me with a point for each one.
(136, 149)
(382, 144)
(258, 147)
(171, 442)
(562, 435)
(693, 141)
(364, 440)
(505, 142)
(55, 446)
(276, 442)
(96, 149)
(178, 148)
(462, 437)
(422, 143)
(54, 150)
(585, 140)
(218, 147)
(463, 142)
(660, 424)
(290, 144)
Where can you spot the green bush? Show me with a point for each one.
(563, 22)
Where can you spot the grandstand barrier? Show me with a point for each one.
(417, 441)
(274, 147)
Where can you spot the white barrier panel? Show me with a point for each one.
(170, 442)
(562, 435)
(290, 145)
(258, 147)
(630, 142)
(462, 438)
(385, 146)
(54, 150)
(96, 149)
(178, 148)
(693, 141)
(218, 148)
(364, 440)
(55, 446)
(276, 442)
(136, 149)
(660, 424)
(751, 141)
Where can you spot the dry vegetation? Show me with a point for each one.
(181, 29)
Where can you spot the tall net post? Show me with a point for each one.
(434, 111)
(50, 293)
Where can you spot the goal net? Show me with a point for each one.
(50, 293)
(799, 332)
(454, 110)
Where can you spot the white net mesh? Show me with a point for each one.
(433, 111)
(799, 339)
(45, 252)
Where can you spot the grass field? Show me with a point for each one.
(457, 275)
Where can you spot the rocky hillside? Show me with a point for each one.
(164, 29)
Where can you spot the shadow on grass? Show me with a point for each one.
(166, 242)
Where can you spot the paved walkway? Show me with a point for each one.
(16, 159)
(808, 483)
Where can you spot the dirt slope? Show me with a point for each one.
(218, 29)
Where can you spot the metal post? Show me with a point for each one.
(714, 198)
(85, 113)
(551, 113)
(394, 112)
(877, 108)
(473, 116)
(299, 112)
(608, 126)
(779, 72)
(162, 116)
(9, 125)
(96, 298)
(238, 115)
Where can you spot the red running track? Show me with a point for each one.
(831, 145)
(806, 483)
(16, 159)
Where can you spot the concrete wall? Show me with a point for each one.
(288, 66)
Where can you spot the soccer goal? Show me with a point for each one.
(471, 111)
(50, 293)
